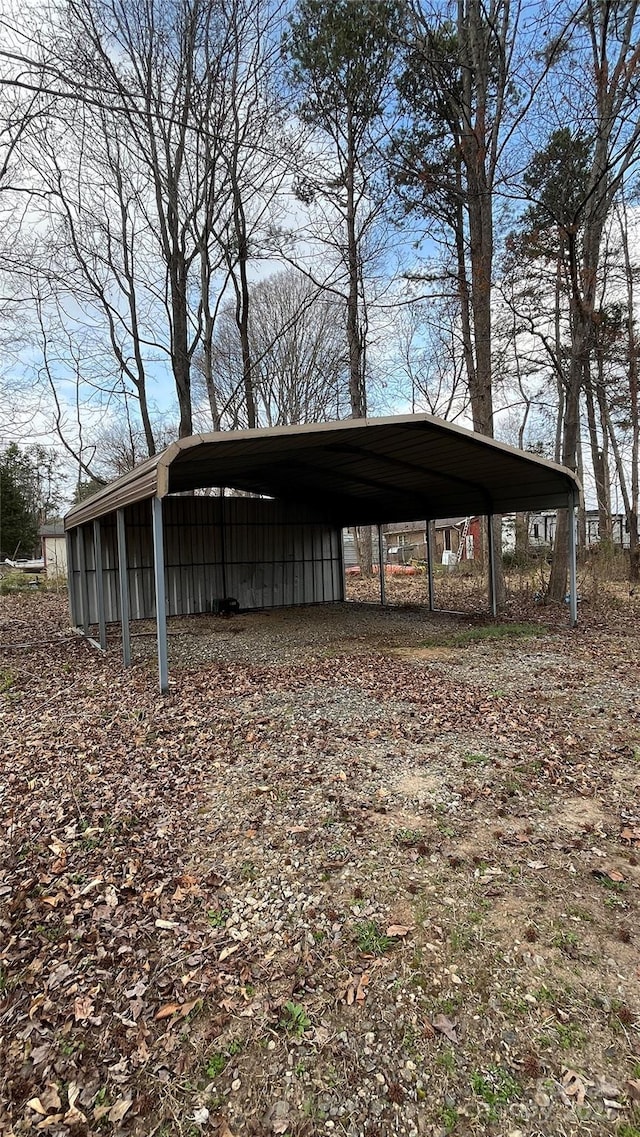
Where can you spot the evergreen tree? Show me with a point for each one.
(18, 504)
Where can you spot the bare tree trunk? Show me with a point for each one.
(600, 469)
(357, 391)
(633, 359)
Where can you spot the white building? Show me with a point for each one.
(54, 549)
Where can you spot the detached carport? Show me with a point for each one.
(313, 481)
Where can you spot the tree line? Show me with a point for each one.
(263, 212)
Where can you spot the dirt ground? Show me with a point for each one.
(363, 871)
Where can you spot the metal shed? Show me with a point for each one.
(138, 539)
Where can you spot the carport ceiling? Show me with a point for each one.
(356, 471)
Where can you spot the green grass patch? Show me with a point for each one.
(483, 633)
(470, 759)
(7, 680)
(371, 939)
(496, 1087)
(295, 1019)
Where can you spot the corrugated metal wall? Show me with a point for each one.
(266, 554)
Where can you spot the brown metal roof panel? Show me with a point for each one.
(445, 468)
(137, 485)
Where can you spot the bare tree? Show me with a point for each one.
(298, 354)
(427, 357)
(162, 165)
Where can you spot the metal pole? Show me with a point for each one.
(492, 567)
(430, 563)
(161, 604)
(573, 568)
(383, 583)
(82, 569)
(97, 553)
(71, 587)
(343, 569)
(123, 584)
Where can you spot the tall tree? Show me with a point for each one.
(341, 55)
(604, 77)
(29, 495)
(461, 106)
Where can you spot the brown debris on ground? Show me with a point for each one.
(361, 872)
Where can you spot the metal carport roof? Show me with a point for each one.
(358, 471)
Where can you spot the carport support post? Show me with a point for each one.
(97, 555)
(84, 594)
(573, 568)
(430, 563)
(123, 582)
(383, 583)
(71, 584)
(492, 566)
(161, 605)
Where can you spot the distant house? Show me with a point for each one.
(405, 541)
(619, 525)
(54, 549)
(542, 530)
(455, 539)
(458, 539)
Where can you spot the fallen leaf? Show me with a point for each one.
(167, 1010)
(119, 1108)
(399, 930)
(608, 874)
(573, 1086)
(82, 1007)
(447, 1027)
(74, 1116)
(36, 1105)
(628, 834)
(361, 992)
(50, 1099)
(47, 1122)
(73, 1093)
(632, 1086)
(227, 951)
(356, 989)
(186, 1008)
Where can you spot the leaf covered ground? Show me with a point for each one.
(361, 872)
